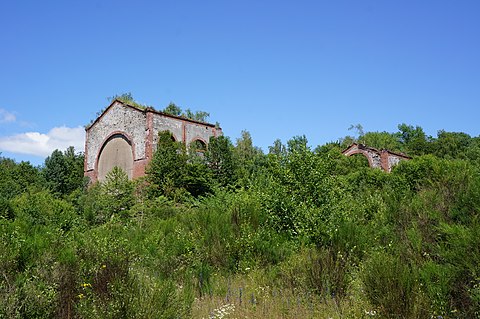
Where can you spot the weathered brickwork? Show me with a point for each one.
(139, 129)
(383, 159)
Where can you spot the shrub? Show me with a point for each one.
(392, 286)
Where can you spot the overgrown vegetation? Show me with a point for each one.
(171, 108)
(232, 232)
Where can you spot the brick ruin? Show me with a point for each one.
(383, 159)
(126, 136)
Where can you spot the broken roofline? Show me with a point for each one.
(147, 110)
(365, 147)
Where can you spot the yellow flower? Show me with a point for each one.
(104, 266)
(81, 296)
(84, 285)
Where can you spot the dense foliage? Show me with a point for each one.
(232, 232)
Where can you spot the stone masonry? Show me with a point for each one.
(383, 159)
(126, 136)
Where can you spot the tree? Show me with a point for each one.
(63, 172)
(172, 174)
(381, 140)
(128, 99)
(124, 97)
(200, 116)
(452, 145)
(173, 109)
(118, 192)
(15, 179)
(219, 158)
(413, 139)
(277, 148)
(248, 158)
(165, 171)
(176, 110)
(297, 144)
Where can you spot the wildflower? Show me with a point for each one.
(222, 311)
(80, 296)
(104, 266)
(85, 285)
(370, 313)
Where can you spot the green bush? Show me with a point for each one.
(321, 271)
(392, 286)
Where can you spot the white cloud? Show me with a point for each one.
(39, 144)
(6, 116)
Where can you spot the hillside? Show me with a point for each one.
(236, 233)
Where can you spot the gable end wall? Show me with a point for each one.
(117, 119)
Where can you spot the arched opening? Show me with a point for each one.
(358, 160)
(199, 147)
(117, 151)
(162, 136)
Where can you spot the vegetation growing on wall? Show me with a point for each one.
(171, 108)
(176, 110)
(234, 232)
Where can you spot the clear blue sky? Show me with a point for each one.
(274, 68)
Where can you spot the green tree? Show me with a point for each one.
(381, 140)
(248, 158)
(118, 192)
(349, 139)
(297, 144)
(413, 139)
(63, 172)
(15, 179)
(277, 148)
(166, 170)
(452, 145)
(219, 158)
(173, 109)
(176, 110)
(200, 116)
(175, 174)
(124, 97)
(127, 98)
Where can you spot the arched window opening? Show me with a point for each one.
(358, 160)
(199, 147)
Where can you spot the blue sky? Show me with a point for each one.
(274, 68)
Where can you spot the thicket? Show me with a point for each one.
(234, 232)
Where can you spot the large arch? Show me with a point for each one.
(382, 159)
(373, 155)
(116, 151)
(198, 146)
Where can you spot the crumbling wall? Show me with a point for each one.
(393, 160)
(383, 159)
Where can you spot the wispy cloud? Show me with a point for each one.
(6, 116)
(42, 145)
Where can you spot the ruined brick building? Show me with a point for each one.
(383, 159)
(126, 136)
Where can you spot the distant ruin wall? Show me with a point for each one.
(383, 159)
